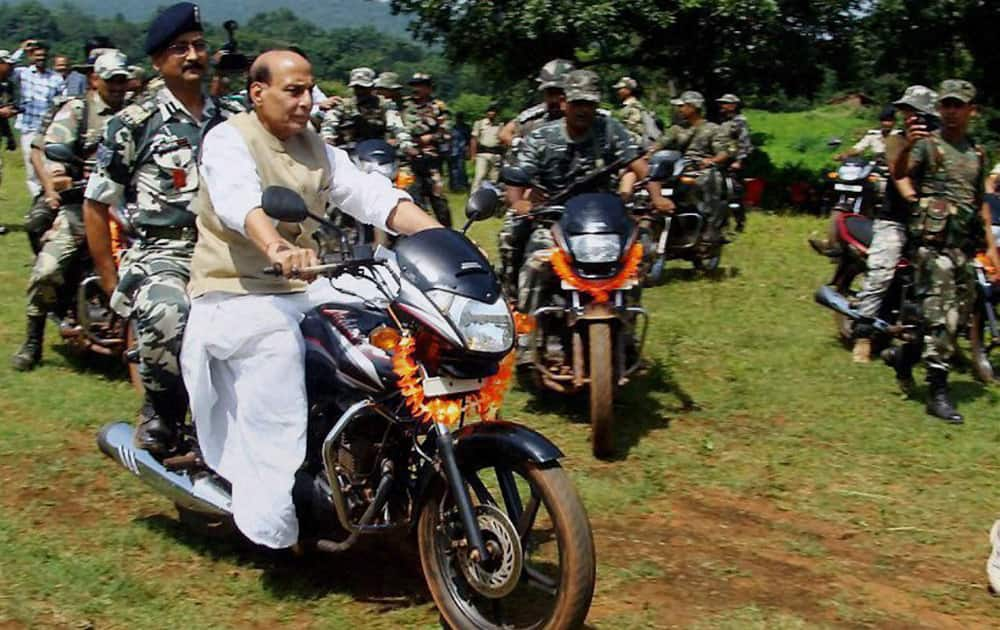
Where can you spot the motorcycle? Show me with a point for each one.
(856, 187)
(582, 335)
(503, 538)
(898, 317)
(984, 332)
(678, 235)
(85, 319)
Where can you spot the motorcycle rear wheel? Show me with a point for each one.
(539, 600)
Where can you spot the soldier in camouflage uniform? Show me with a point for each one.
(364, 116)
(387, 86)
(513, 234)
(426, 120)
(707, 148)
(550, 83)
(949, 222)
(148, 158)
(736, 127)
(633, 113)
(555, 155)
(79, 123)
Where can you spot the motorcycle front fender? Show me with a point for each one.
(495, 443)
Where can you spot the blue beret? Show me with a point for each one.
(175, 20)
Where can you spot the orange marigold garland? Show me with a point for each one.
(598, 289)
(447, 410)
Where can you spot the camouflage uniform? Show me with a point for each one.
(552, 161)
(953, 175)
(429, 117)
(353, 120)
(705, 140)
(631, 115)
(148, 158)
(62, 242)
(737, 129)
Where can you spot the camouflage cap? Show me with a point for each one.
(690, 98)
(388, 81)
(626, 82)
(728, 98)
(583, 85)
(112, 63)
(958, 89)
(920, 98)
(553, 74)
(362, 77)
(137, 72)
(420, 77)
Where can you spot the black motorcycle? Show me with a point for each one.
(86, 321)
(856, 187)
(681, 234)
(503, 538)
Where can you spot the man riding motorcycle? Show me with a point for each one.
(552, 157)
(735, 125)
(80, 124)
(243, 336)
(708, 148)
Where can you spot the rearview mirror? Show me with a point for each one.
(284, 204)
(62, 153)
(482, 204)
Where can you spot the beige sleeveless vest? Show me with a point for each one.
(225, 260)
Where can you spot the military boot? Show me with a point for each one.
(895, 358)
(160, 420)
(939, 402)
(30, 353)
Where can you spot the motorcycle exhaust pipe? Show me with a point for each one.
(201, 494)
(828, 297)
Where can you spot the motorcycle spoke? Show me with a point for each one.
(527, 520)
(511, 496)
(538, 580)
(482, 492)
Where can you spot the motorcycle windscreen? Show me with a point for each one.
(445, 260)
(596, 213)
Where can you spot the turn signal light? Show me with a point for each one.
(874, 178)
(832, 174)
(404, 179)
(384, 338)
(688, 180)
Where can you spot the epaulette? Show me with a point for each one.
(532, 113)
(139, 112)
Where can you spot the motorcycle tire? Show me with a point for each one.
(843, 324)
(568, 526)
(655, 275)
(709, 263)
(602, 389)
(982, 368)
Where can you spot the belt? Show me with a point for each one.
(186, 233)
(493, 150)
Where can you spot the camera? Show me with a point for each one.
(929, 121)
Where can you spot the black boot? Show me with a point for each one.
(939, 402)
(159, 421)
(30, 353)
(895, 357)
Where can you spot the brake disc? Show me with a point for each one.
(499, 575)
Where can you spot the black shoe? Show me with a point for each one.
(160, 420)
(30, 352)
(939, 402)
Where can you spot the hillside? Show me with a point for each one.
(325, 13)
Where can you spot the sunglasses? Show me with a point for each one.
(181, 48)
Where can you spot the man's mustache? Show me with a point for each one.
(193, 65)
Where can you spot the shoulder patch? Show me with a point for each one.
(137, 113)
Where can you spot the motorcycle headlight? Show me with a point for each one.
(484, 327)
(596, 248)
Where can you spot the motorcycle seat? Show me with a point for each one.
(855, 230)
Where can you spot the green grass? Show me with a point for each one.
(763, 480)
(800, 138)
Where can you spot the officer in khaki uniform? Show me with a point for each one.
(363, 116)
(949, 223)
(79, 123)
(148, 158)
(485, 147)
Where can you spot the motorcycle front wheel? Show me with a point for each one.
(541, 572)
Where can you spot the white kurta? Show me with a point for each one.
(243, 355)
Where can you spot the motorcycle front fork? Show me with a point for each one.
(460, 492)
